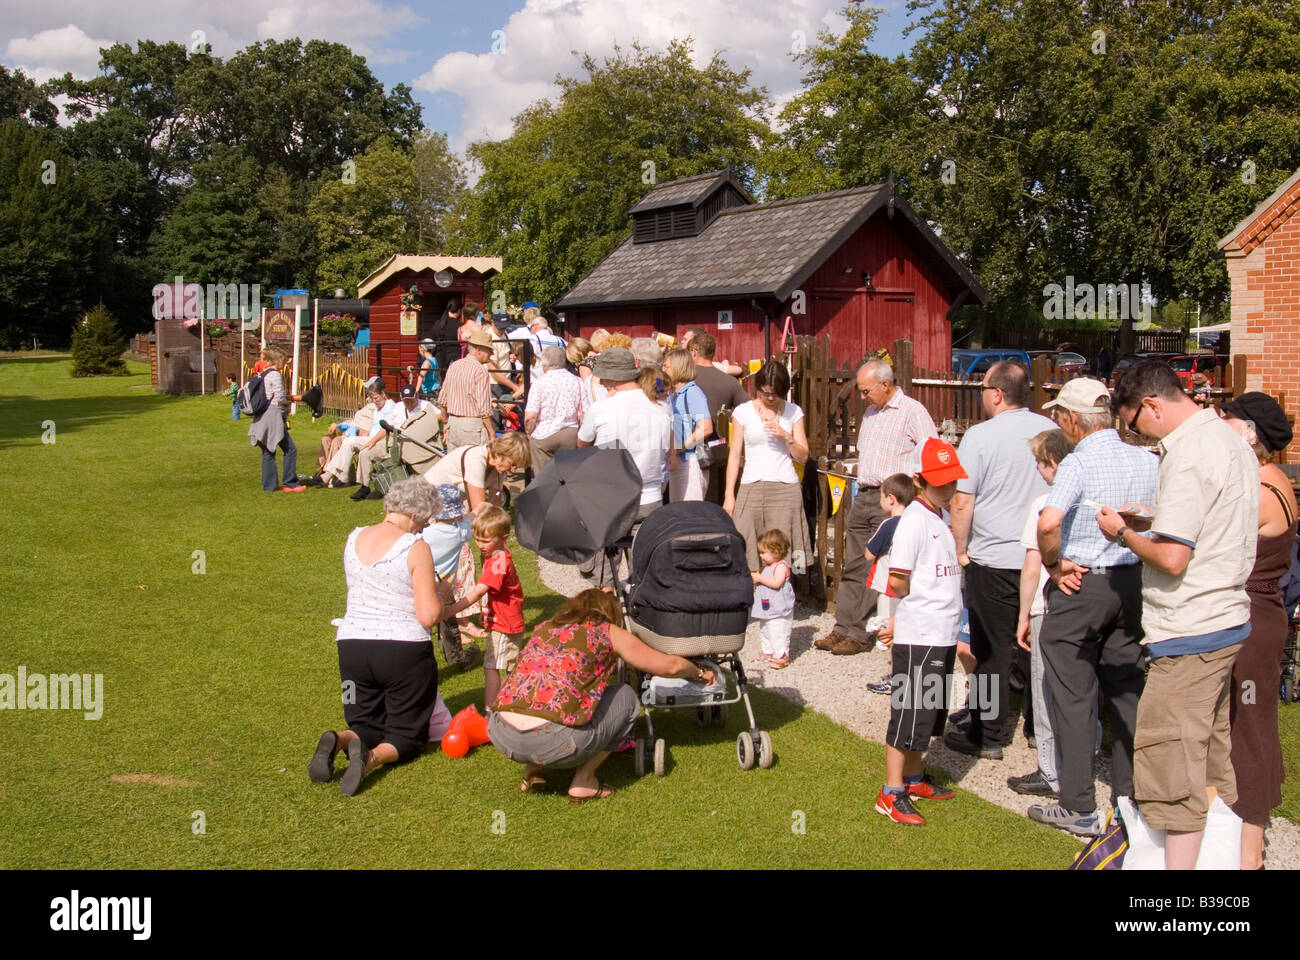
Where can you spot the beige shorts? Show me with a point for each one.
(503, 650)
(1181, 745)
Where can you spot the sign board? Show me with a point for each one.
(410, 322)
(279, 324)
(724, 319)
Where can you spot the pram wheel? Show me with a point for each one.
(720, 716)
(639, 757)
(764, 750)
(661, 757)
(745, 750)
(704, 715)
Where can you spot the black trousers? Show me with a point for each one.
(389, 688)
(1091, 639)
(993, 599)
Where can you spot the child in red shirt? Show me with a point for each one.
(504, 619)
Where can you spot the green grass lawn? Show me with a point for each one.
(217, 685)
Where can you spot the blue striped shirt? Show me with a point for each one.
(1107, 471)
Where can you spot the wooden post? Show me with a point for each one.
(1238, 374)
(1038, 368)
(902, 353)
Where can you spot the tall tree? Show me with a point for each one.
(21, 97)
(362, 220)
(304, 108)
(439, 185)
(54, 244)
(553, 196)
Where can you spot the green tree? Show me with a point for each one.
(361, 221)
(54, 243)
(135, 142)
(97, 346)
(553, 196)
(218, 232)
(303, 108)
(1113, 141)
(439, 185)
(21, 97)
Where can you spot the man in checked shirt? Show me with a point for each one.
(893, 426)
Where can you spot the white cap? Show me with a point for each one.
(1082, 395)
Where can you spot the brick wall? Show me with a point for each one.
(1264, 270)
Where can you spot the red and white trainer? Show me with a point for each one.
(898, 807)
(927, 789)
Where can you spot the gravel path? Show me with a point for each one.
(836, 686)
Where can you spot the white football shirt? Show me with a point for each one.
(923, 548)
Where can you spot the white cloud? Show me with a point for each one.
(540, 38)
(54, 52)
(367, 26)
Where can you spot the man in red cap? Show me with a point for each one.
(925, 574)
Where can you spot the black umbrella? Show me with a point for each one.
(584, 501)
(315, 398)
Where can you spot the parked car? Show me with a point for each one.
(1132, 358)
(1070, 364)
(975, 363)
(1197, 370)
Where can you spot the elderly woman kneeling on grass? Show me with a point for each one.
(390, 677)
(563, 707)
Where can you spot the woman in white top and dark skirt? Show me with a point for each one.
(390, 677)
(768, 435)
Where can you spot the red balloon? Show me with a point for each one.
(455, 744)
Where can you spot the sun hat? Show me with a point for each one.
(453, 507)
(615, 364)
(1266, 414)
(1082, 395)
(481, 339)
(936, 461)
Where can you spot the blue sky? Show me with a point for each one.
(472, 66)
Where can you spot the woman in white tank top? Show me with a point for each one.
(390, 677)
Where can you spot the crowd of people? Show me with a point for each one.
(1097, 576)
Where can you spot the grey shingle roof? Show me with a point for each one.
(687, 190)
(764, 249)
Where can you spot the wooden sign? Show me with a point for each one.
(279, 324)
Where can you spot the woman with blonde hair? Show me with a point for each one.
(270, 429)
(478, 470)
(692, 425)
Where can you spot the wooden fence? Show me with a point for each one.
(341, 376)
(825, 388)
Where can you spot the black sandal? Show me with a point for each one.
(321, 766)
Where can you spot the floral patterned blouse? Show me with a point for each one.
(561, 674)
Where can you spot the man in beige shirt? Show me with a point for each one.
(1195, 611)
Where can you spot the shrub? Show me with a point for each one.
(97, 347)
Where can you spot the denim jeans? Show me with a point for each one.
(269, 480)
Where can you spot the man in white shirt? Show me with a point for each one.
(339, 469)
(627, 419)
(394, 414)
(893, 427)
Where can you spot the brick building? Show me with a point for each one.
(1263, 258)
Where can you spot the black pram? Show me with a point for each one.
(689, 593)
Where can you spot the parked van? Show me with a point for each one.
(975, 363)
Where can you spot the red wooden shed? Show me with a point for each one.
(858, 264)
(395, 331)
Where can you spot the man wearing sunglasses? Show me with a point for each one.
(1195, 609)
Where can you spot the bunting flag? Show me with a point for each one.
(798, 469)
(837, 485)
(755, 366)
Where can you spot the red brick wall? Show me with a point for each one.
(1265, 273)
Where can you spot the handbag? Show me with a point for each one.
(1105, 852)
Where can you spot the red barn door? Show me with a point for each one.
(890, 316)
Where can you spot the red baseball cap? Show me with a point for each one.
(937, 462)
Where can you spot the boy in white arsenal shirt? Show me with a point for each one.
(924, 573)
